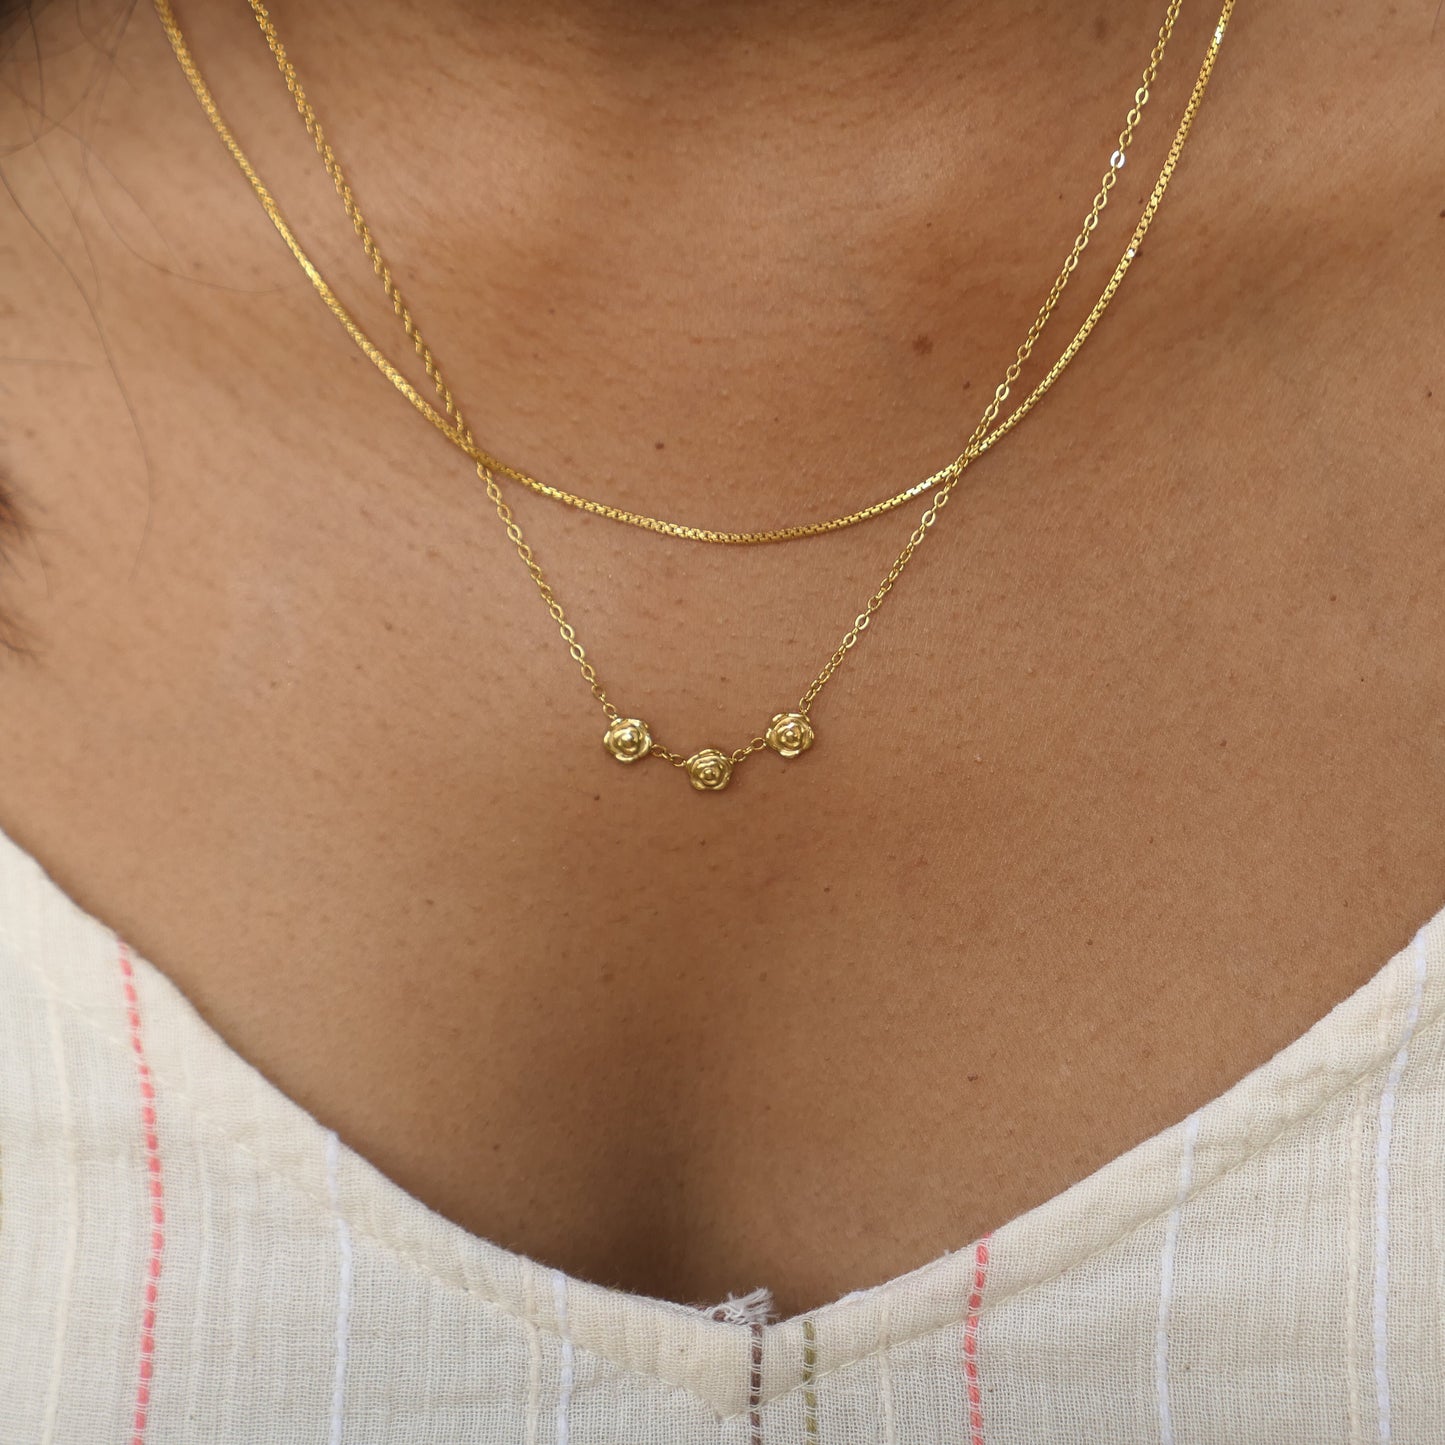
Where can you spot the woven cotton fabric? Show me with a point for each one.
(188, 1256)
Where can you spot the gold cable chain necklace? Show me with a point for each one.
(789, 734)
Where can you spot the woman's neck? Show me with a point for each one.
(725, 57)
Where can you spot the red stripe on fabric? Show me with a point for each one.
(156, 1194)
(970, 1342)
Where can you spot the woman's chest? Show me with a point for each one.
(1025, 902)
(1135, 776)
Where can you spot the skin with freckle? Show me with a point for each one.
(1139, 771)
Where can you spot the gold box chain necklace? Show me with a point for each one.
(449, 421)
(628, 739)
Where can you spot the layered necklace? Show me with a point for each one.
(789, 733)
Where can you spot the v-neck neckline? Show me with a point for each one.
(729, 1364)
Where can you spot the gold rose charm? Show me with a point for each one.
(789, 733)
(709, 770)
(627, 739)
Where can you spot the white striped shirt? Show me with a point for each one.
(188, 1256)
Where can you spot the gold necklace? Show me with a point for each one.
(673, 529)
(629, 739)
(449, 422)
